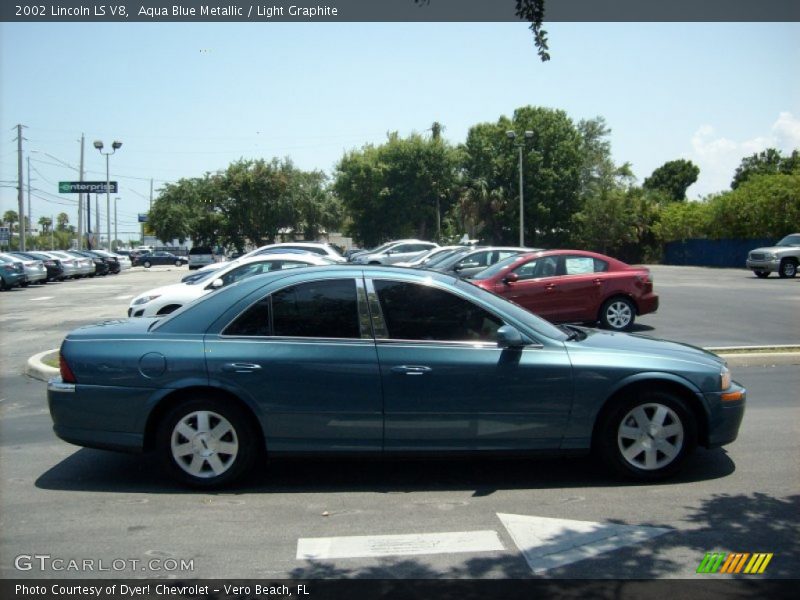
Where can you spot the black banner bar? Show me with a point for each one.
(395, 11)
(707, 588)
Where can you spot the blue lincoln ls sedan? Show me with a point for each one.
(359, 359)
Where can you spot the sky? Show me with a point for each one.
(190, 98)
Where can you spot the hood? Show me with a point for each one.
(173, 289)
(776, 249)
(641, 344)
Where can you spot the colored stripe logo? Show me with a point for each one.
(735, 562)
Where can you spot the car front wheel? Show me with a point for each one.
(617, 314)
(207, 443)
(649, 436)
(788, 268)
(178, 263)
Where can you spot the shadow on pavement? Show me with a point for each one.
(101, 471)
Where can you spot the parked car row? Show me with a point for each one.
(20, 269)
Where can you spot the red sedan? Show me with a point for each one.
(573, 286)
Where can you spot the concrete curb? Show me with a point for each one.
(748, 356)
(38, 370)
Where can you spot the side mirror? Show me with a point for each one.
(509, 337)
(511, 278)
(457, 268)
(216, 284)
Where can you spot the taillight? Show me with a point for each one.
(67, 376)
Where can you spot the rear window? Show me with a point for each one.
(200, 250)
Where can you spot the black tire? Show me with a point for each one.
(196, 468)
(617, 314)
(788, 268)
(178, 263)
(662, 448)
(761, 274)
(147, 264)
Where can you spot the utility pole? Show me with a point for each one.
(116, 234)
(97, 219)
(81, 200)
(20, 193)
(52, 232)
(30, 212)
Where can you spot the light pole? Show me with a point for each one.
(116, 235)
(512, 135)
(114, 147)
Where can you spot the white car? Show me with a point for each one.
(313, 248)
(318, 248)
(424, 259)
(166, 299)
(403, 251)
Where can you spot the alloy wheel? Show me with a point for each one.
(204, 444)
(650, 436)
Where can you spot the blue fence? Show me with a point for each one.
(711, 253)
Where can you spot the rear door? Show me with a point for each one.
(305, 356)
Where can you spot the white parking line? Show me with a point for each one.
(42, 298)
(397, 545)
(549, 543)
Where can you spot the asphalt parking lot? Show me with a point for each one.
(407, 519)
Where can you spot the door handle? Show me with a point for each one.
(550, 286)
(411, 370)
(598, 281)
(240, 367)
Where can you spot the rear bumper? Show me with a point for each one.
(648, 304)
(84, 418)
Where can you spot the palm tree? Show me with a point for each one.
(46, 223)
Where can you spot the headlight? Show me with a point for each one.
(770, 256)
(724, 378)
(144, 300)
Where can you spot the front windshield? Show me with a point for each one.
(790, 240)
(496, 268)
(450, 259)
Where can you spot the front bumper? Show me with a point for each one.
(726, 415)
(770, 266)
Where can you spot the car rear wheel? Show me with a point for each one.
(178, 263)
(761, 274)
(207, 443)
(617, 314)
(147, 264)
(649, 436)
(788, 268)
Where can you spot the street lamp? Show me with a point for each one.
(116, 233)
(512, 135)
(114, 147)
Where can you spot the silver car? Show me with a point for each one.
(85, 266)
(389, 254)
(35, 270)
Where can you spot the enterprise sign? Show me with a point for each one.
(86, 187)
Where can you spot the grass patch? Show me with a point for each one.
(51, 360)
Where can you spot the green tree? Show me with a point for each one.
(552, 168)
(62, 222)
(531, 11)
(395, 190)
(46, 223)
(673, 178)
(12, 218)
(769, 161)
(764, 206)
